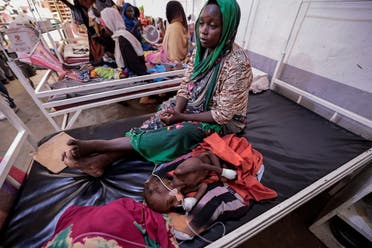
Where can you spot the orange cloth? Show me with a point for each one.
(237, 151)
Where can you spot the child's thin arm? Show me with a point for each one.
(227, 173)
(212, 157)
(190, 202)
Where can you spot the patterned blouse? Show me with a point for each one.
(230, 97)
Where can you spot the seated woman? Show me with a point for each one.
(128, 50)
(175, 42)
(213, 97)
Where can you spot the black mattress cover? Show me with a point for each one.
(298, 146)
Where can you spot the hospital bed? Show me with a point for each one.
(304, 154)
(74, 96)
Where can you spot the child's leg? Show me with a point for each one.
(83, 148)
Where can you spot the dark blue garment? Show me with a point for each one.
(130, 22)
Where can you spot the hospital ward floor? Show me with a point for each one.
(290, 231)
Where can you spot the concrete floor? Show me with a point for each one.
(291, 231)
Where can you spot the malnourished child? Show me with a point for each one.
(165, 194)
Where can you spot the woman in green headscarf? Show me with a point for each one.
(212, 98)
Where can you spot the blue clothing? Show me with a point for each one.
(130, 22)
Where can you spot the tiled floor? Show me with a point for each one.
(291, 231)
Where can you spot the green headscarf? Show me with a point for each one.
(230, 12)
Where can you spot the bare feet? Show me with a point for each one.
(81, 148)
(92, 165)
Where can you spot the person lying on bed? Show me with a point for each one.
(213, 97)
(128, 50)
(165, 194)
(174, 47)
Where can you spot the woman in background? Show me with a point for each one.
(128, 50)
(175, 42)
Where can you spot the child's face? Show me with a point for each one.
(160, 198)
(129, 12)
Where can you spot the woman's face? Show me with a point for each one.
(129, 12)
(210, 26)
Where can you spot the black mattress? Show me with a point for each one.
(298, 146)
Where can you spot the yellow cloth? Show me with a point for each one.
(175, 42)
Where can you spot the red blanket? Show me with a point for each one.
(123, 222)
(237, 151)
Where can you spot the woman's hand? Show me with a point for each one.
(170, 116)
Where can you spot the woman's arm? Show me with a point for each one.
(231, 97)
(171, 116)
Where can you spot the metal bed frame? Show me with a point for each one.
(22, 136)
(129, 91)
(70, 109)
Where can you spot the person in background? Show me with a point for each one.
(130, 15)
(131, 21)
(191, 27)
(212, 98)
(128, 50)
(99, 43)
(174, 47)
(101, 4)
(4, 92)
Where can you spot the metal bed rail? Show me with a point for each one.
(21, 137)
(111, 93)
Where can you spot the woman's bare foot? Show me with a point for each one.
(82, 148)
(92, 165)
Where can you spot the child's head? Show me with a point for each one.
(129, 11)
(160, 195)
(174, 10)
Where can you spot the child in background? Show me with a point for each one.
(130, 16)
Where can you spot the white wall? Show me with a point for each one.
(156, 8)
(335, 39)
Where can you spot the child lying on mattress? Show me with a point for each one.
(164, 194)
(216, 200)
